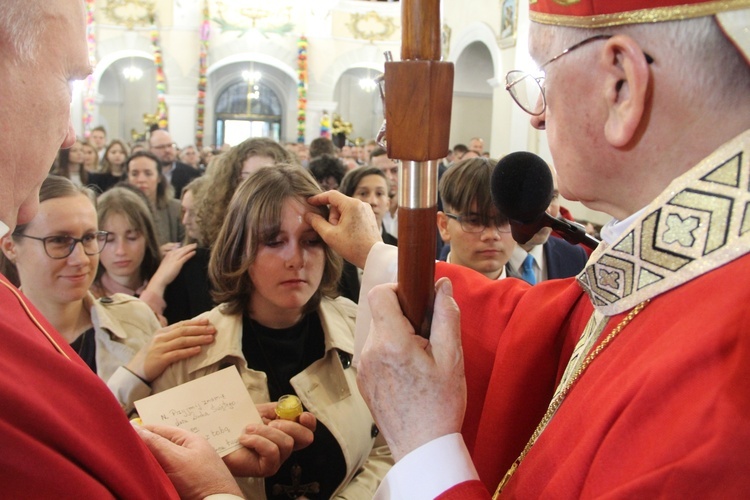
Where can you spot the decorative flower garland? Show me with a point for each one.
(90, 86)
(301, 87)
(325, 125)
(162, 115)
(202, 67)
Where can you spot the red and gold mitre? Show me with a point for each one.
(603, 13)
(732, 15)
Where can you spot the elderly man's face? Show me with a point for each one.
(571, 116)
(36, 89)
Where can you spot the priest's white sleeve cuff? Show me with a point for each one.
(381, 267)
(428, 471)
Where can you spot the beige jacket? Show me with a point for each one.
(122, 325)
(326, 388)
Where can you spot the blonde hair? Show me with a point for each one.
(198, 188)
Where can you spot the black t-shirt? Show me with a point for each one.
(85, 346)
(317, 470)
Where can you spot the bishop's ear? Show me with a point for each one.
(627, 84)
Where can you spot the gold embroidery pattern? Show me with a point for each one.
(653, 15)
(565, 3)
(700, 222)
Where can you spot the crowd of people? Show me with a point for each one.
(129, 269)
(167, 288)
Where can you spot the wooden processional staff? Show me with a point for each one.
(419, 90)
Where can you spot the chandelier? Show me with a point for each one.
(132, 73)
(367, 84)
(251, 76)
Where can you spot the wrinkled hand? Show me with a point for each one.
(172, 343)
(191, 463)
(170, 267)
(351, 229)
(415, 388)
(266, 447)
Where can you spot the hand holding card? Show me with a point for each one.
(217, 407)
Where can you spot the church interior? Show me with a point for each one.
(219, 71)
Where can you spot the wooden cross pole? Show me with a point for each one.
(419, 91)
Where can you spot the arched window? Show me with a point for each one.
(247, 109)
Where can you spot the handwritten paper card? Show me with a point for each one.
(216, 407)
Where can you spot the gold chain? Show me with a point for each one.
(33, 318)
(555, 404)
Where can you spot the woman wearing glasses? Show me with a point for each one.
(55, 257)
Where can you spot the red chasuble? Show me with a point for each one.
(664, 409)
(62, 433)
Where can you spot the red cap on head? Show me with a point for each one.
(732, 15)
(602, 13)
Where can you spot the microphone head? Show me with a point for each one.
(522, 186)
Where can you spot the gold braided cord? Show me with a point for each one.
(33, 318)
(555, 404)
(651, 15)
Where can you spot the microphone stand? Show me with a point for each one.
(572, 233)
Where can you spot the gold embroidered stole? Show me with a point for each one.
(699, 223)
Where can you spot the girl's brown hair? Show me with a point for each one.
(253, 217)
(123, 201)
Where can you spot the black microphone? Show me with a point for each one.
(522, 189)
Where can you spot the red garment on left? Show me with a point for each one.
(62, 432)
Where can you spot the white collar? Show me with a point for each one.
(519, 255)
(613, 229)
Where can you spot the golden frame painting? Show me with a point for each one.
(508, 22)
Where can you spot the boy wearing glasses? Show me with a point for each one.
(478, 236)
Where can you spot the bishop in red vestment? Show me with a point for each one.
(62, 433)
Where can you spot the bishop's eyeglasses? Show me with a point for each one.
(528, 90)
